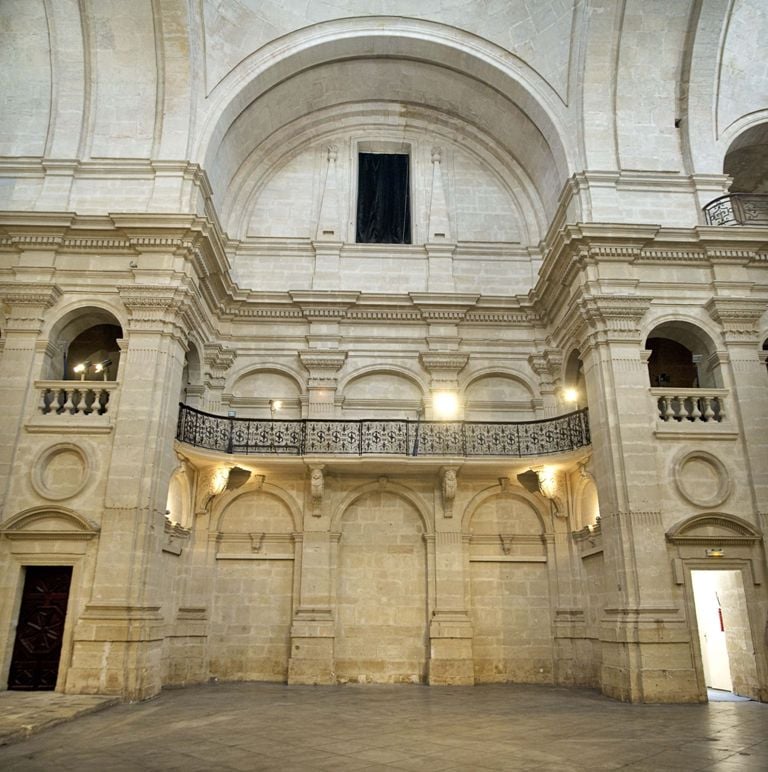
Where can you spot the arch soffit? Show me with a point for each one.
(68, 315)
(413, 39)
(499, 372)
(254, 172)
(71, 521)
(223, 500)
(389, 487)
(485, 495)
(397, 370)
(266, 367)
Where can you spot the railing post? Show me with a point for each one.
(230, 439)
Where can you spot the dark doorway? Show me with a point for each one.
(383, 199)
(36, 652)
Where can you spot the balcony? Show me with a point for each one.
(308, 437)
(738, 209)
(690, 405)
(83, 398)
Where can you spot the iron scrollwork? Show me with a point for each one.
(382, 437)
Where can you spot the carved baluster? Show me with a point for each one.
(45, 400)
(709, 414)
(695, 412)
(720, 403)
(668, 413)
(71, 399)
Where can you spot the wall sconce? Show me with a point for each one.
(715, 552)
(530, 481)
(274, 406)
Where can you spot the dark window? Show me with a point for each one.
(383, 199)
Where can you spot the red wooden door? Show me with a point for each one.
(36, 652)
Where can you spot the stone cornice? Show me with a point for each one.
(739, 317)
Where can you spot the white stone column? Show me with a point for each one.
(440, 244)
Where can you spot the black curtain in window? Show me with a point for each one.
(383, 200)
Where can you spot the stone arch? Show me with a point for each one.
(687, 349)
(541, 109)
(278, 382)
(49, 521)
(714, 525)
(386, 485)
(519, 494)
(179, 501)
(586, 502)
(746, 159)
(392, 389)
(497, 393)
(224, 500)
(70, 328)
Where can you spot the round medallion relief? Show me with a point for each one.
(702, 479)
(60, 471)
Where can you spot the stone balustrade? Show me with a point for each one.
(706, 405)
(84, 398)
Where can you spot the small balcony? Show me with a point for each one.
(738, 209)
(690, 405)
(309, 437)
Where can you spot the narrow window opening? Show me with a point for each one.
(383, 199)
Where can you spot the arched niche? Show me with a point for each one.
(253, 389)
(381, 589)
(192, 376)
(508, 99)
(499, 396)
(586, 502)
(382, 393)
(384, 484)
(573, 393)
(683, 355)
(178, 507)
(86, 335)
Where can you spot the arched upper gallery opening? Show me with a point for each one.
(747, 161)
(85, 346)
(682, 356)
(353, 82)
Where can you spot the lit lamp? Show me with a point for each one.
(274, 406)
(571, 395)
(81, 369)
(101, 367)
(445, 405)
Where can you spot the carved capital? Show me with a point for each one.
(739, 317)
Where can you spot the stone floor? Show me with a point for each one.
(277, 727)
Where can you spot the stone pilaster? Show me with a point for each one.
(25, 307)
(323, 367)
(121, 624)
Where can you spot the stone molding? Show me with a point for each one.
(739, 317)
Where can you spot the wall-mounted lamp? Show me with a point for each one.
(715, 552)
(274, 406)
(530, 481)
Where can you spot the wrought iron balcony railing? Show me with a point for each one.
(308, 437)
(738, 209)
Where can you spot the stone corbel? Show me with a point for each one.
(316, 488)
(448, 488)
(257, 541)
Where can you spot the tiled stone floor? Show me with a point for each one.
(438, 729)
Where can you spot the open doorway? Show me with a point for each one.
(725, 637)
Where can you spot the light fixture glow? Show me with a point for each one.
(571, 395)
(219, 480)
(548, 482)
(445, 404)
